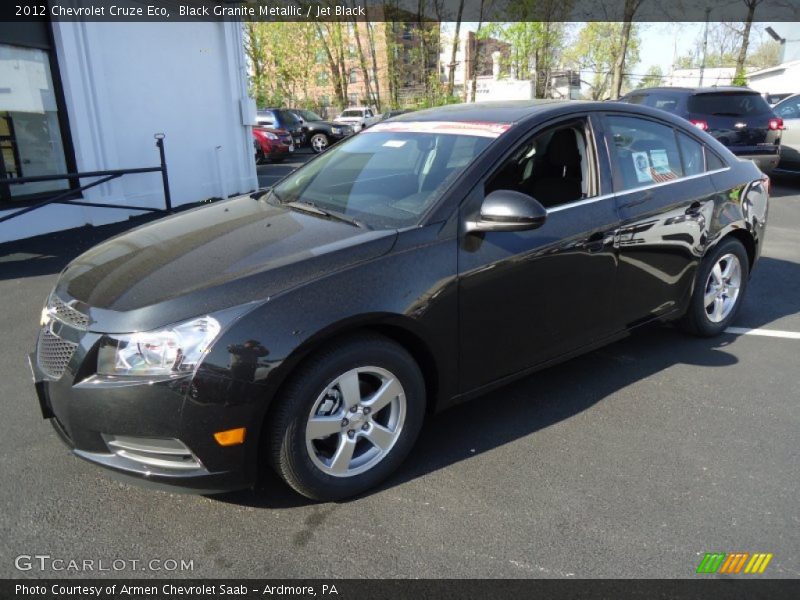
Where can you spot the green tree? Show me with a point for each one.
(596, 50)
(768, 54)
(742, 57)
(653, 78)
(623, 43)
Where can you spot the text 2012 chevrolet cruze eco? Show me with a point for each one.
(312, 326)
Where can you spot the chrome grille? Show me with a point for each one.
(53, 353)
(65, 313)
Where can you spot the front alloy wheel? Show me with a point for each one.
(356, 421)
(347, 417)
(319, 142)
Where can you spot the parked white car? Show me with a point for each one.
(358, 117)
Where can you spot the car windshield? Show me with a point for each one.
(309, 115)
(353, 113)
(733, 104)
(390, 175)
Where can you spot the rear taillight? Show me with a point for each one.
(767, 184)
(776, 124)
(699, 124)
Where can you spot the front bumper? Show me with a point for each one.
(167, 437)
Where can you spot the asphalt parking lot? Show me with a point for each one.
(631, 461)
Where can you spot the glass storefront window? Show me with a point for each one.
(30, 136)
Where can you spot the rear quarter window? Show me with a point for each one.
(733, 104)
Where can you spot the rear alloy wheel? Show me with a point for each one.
(347, 418)
(719, 289)
(319, 142)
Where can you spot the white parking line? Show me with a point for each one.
(791, 335)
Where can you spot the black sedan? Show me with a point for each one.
(313, 325)
(320, 134)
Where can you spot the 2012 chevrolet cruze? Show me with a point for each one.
(437, 255)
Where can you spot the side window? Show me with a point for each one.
(464, 150)
(266, 118)
(789, 109)
(554, 166)
(664, 101)
(692, 155)
(369, 114)
(713, 162)
(645, 152)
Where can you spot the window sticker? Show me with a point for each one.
(660, 161)
(473, 128)
(394, 143)
(641, 163)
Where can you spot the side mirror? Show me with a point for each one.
(507, 210)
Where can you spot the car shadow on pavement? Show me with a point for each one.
(525, 407)
(565, 390)
(48, 254)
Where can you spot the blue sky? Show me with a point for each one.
(660, 42)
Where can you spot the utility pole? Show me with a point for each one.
(705, 48)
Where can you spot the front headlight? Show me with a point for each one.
(170, 351)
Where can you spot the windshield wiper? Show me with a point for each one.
(310, 207)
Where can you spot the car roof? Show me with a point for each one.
(789, 97)
(493, 112)
(695, 90)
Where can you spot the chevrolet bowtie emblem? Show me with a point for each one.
(740, 125)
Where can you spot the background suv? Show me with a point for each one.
(738, 117)
(320, 133)
(280, 118)
(358, 117)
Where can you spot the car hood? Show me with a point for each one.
(208, 259)
(349, 119)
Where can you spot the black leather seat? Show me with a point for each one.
(557, 179)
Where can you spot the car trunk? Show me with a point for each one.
(740, 120)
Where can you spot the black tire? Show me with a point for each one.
(277, 159)
(260, 157)
(287, 449)
(696, 320)
(324, 143)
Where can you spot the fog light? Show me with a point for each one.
(231, 437)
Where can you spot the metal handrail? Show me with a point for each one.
(63, 197)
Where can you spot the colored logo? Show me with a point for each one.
(720, 562)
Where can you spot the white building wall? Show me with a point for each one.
(782, 79)
(124, 82)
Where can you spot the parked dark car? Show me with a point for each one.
(272, 145)
(280, 118)
(320, 134)
(738, 117)
(312, 326)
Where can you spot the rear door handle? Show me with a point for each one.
(694, 208)
(596, 242)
